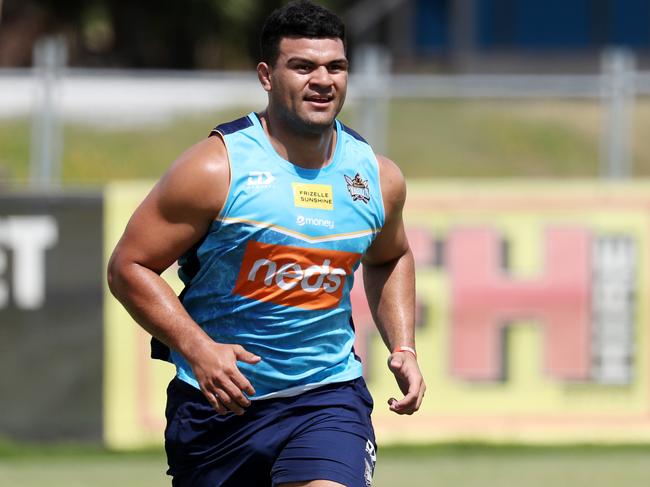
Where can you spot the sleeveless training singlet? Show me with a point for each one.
(275, 269)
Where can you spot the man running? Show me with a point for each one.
(269, 217)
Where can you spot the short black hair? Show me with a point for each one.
(298, 19)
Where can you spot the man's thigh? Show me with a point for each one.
(326, 455)
(336, 443)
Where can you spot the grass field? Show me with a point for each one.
(432, 466)
(428, 138)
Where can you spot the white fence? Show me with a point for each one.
(108, 95)
(114, 96)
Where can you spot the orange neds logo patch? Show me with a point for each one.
(294, 276)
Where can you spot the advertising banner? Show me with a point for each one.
(51, 319)
(134, 384)
(531, 319)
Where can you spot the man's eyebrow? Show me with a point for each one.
(298, 59)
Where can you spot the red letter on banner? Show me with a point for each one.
(485, 300)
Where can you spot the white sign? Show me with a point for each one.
(25, 238)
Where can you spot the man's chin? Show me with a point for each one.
(309, 122)
(318, 123)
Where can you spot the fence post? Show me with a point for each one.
(50, 57)
(374, 68)
(617, 99)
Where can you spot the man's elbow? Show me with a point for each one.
(388, 259)
(116, 274)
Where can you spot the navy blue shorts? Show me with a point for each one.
(324, 433)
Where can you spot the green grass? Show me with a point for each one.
(14, 150)
(427, 138)
(458, 465)
(493, 139)
(507, 469)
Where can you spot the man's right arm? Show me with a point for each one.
(172, 218)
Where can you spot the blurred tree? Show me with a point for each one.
(22, 23)
(172, 34)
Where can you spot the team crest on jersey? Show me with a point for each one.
(358, 188)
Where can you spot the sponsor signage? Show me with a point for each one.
(302, 220)
(24, 240)
(260, 178)
(532, 324)
(51, 322)
(317, 196)
(306, 278)
(531, 320)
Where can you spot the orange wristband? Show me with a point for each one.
(406, 349)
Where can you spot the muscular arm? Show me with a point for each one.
(172, 218)
(389, 279)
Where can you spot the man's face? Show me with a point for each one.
(308, 82)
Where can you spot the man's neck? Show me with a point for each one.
(309, 151)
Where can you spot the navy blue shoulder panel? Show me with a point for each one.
(232, 127)
(353, 133)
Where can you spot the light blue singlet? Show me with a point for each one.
(275, 269)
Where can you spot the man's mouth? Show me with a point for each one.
(319, 99)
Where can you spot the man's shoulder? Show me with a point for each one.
(389, 168)
(205, 158)
(199, 178)
(393, 184)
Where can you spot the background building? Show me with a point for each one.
(503, 35)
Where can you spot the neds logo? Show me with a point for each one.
(294, 276)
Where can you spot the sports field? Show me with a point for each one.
(444, 465)
(437, 139)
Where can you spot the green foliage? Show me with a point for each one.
(14, 151)
(236, 11)
(452, 138)
(169, 34)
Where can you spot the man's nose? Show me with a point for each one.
(321, 77)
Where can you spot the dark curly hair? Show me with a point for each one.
(298, 19)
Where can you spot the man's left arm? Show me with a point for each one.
(389, 280)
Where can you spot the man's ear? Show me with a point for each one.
(264, 75)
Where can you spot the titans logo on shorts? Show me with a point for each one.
(324, 433)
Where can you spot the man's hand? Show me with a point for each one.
(409, 378)
(223, 385)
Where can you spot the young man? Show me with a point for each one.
(269, 217)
